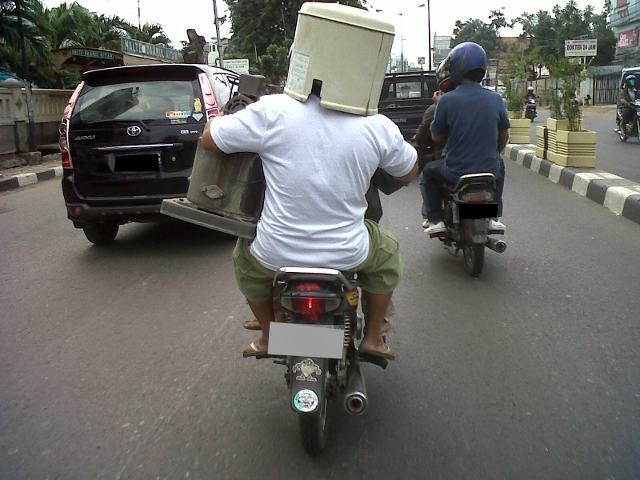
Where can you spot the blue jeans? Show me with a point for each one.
(435, 178)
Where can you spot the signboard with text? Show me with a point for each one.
(238, 65)
(581, 48)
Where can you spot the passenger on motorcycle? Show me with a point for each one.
(628, 94)
(474, 122)
(318, 163)
(428, 150)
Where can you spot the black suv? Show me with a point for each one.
(128, 139)
(405, 96)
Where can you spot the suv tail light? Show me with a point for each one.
(63, 130)
(210, 103)
(308, 301)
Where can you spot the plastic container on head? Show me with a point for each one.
(345, 48)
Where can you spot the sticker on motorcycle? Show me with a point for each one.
(197, 105)
(305, 401)
(307, 369)
(352, 297)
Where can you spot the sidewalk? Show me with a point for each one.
(22, 176)
(619, 195)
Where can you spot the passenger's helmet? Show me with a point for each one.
(467, 59)
(443, 76)
(631, 81)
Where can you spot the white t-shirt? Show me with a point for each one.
(317, 165)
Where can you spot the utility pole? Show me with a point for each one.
(139, 24)
(429, 30)
(215, 17)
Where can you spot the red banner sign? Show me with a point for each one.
(628, 39)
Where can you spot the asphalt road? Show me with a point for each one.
(613, 156)
(123, 362)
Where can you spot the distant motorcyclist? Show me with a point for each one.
(628, 94)
(475, 124)
(531, 94)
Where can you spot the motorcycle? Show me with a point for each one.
(531, 109)
(632, 129)
(314, 337)
(468, 208)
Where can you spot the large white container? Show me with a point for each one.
(347, 49)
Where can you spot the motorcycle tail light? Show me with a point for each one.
(309, 301)
(478, 196)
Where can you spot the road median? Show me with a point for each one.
(619, 195)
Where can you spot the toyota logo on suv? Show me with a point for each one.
(134, 131)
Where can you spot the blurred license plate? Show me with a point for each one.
(321, 341)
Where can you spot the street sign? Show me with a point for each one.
(581, 48)
(238, 65)
(421, 61)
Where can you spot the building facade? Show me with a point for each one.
(625, 23)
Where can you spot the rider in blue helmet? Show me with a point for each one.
(474, 123)
(628, 94)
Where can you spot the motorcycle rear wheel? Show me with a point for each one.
(473, 259)
(313, 427)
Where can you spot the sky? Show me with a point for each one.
(410, 20)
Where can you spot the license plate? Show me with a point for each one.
(322, 341)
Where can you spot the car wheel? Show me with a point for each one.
(100, 233)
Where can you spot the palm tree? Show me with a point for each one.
(33, 21)
(151, 33)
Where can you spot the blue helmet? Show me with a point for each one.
(465, 58)
(631, 81)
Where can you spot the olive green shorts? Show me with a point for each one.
(379, 273)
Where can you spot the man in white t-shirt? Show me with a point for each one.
(317, 164)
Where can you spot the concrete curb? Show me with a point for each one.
(619, 195)
(24, 179)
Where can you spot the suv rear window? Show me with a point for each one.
(151, 100)
(399, 88)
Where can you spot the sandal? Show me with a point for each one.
(253, 351)
(252, 325)
(386, 353)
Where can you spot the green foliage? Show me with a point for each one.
(66, 26)
(484, 34)
(549, 30)
(564, 103)
(273, 64)
(514, 93)
(257, 24)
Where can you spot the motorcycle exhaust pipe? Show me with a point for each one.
(355, 398)
(498, 246)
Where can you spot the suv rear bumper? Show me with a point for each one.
(82, 211)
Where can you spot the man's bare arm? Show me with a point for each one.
(207, 140)
(503, 139)
(412, 174)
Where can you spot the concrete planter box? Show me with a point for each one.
(570, 149)
(519, 131)
(574, 149)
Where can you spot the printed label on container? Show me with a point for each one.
(298, 72)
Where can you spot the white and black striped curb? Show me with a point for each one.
(24, 179)
(618, 194)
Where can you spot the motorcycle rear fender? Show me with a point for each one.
(475, 230)
(307, 374)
